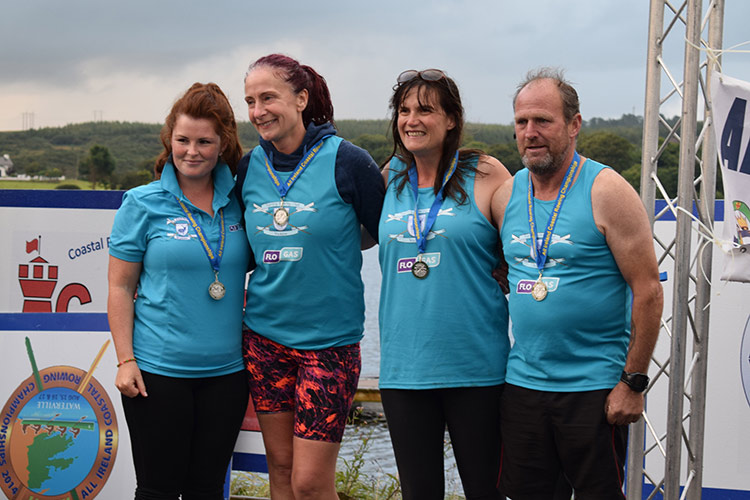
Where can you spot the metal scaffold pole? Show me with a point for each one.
(636, 438)
(705, 253)
(686, 324)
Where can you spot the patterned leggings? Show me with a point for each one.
(317, 385)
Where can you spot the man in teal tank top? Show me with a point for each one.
(585, 304)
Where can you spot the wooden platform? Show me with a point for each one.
(367, 391)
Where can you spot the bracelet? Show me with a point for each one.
(125, 361)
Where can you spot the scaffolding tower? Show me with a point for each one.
(678, 442)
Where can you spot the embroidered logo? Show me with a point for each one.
(530, 261)
(281, 223)
(407, 217)
(181, 229)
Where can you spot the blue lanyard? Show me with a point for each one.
(540, 252)
(421, 233)
(213, 258)
(284, 187)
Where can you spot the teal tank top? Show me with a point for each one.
(449, 329)
(306, 291)
(575, 339)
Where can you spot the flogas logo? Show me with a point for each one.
(526, 286)
(431, 259)
(286, 254)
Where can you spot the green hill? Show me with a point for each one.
(58, 151)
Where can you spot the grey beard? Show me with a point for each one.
(544, 167)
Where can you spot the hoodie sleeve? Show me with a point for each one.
(359, 183)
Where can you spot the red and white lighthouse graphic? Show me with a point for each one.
(38, 280)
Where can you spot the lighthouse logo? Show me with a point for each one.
(58, 434)
(38, 279)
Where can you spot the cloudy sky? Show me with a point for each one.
(73, 61)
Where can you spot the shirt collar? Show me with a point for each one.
(223, 183)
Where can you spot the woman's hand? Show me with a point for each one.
(129, 380)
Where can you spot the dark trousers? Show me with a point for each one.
(546, 434)
(183, 434)
(417, 420)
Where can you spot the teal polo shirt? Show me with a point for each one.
(179, 330)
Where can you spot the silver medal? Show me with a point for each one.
(217, 290)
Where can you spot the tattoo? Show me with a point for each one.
(632, 335)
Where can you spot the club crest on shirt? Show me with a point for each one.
(181, 228)
(530, 261)
(407, 217)
(280, 216)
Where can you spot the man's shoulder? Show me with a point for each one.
(606, 180)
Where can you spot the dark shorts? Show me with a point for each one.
(546, 433)
(317, 385)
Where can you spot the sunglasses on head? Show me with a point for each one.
(429, 75)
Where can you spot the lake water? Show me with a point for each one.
(370, 344)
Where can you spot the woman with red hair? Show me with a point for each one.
(180, 243)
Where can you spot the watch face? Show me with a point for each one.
(636, 381)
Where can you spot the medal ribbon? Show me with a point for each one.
(540, 252)
(284, 187)
(421, 233)
(213, 258)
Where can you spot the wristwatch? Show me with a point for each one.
(636, 381)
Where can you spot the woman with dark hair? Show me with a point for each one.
(180, 244)
(443, 317)
(306, 194)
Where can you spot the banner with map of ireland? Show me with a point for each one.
(731, 117)
(58, 438)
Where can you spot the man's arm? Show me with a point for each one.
(620, 215)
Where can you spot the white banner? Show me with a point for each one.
(732, 127)
(62, 430)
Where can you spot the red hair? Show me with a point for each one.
(203, 100)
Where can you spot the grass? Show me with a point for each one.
(250, 484)
(352, 483)
(44, 184)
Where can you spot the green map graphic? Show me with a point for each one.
(41, 458)
(54, 441)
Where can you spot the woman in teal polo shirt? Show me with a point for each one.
(179, 246)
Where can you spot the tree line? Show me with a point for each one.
(121, 155)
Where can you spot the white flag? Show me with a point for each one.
(731, 115)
